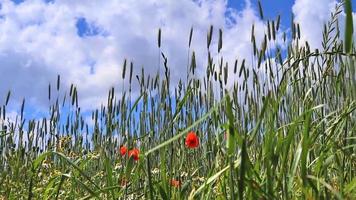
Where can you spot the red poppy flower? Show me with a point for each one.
(134, 153)
(123, 150)
(175, 183)
(192, 140)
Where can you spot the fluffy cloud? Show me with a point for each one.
(40, 39)
(312, 15)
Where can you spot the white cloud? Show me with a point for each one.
(39, 40)
(312, 15)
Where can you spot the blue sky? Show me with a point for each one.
(86, 41)
(271, 8)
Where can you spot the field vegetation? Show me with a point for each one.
(280, 127)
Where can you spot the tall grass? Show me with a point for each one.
(286, 130)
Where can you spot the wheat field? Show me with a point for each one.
(280, 127)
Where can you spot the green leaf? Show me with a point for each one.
(292, 175)
(211, 179)
(40, 158)
(231, 142)
(348, 26)
(87, 188)
(109, 175)
(162, 192)
(328, 186)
